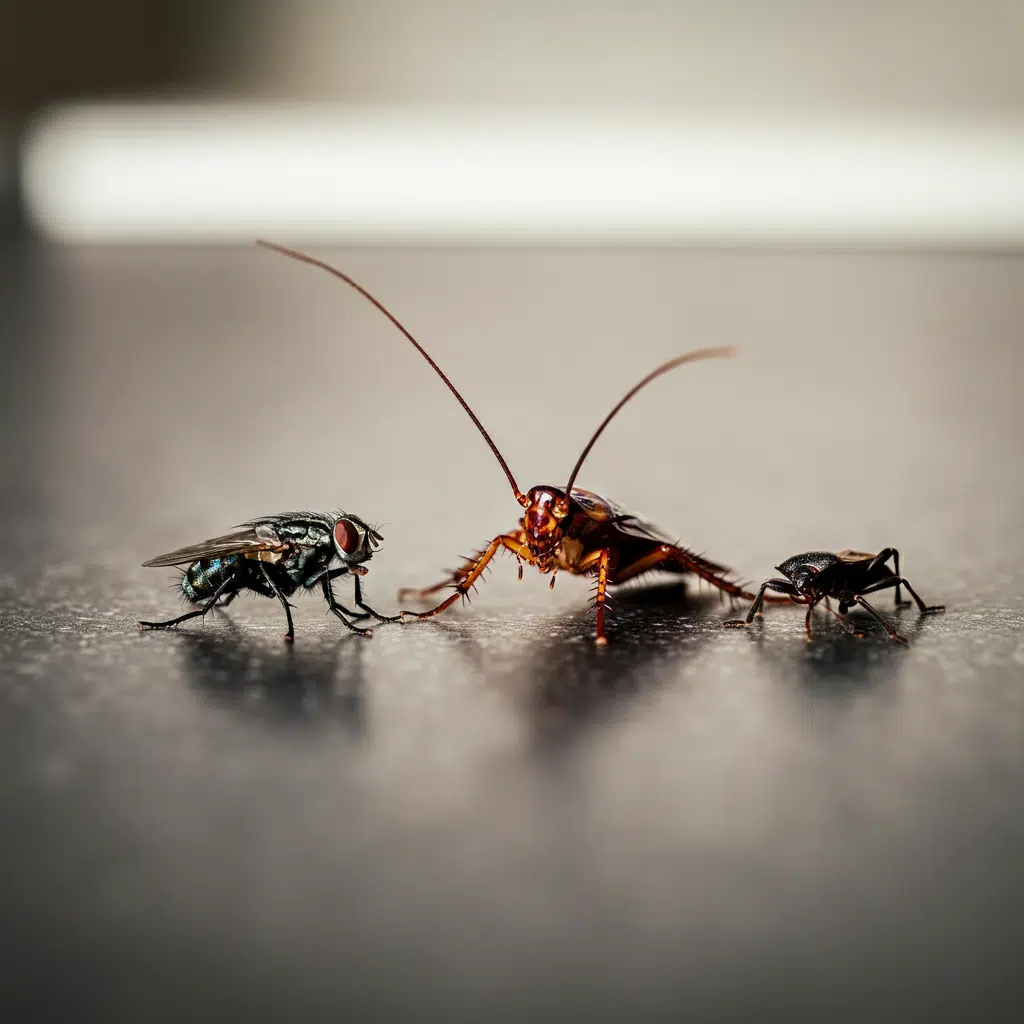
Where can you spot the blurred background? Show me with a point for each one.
(340, 120)
(482, 817)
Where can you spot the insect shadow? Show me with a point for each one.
(567, 685)
(838, 666)
(288, 684)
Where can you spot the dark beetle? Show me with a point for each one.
(273, 556)
(844, 575)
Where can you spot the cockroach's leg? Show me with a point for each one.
(779, 585)
(601, 558)
(290, 635)
(515, 542)
(231, 583)
(332, 604)
(685, 560)
(468, 578)
(895, 581)
(886, 624)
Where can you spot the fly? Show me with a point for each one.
(564, 529)
(275, 556)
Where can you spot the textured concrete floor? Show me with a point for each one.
(484, 816)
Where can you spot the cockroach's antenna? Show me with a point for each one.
(313, 261)
(689, 357)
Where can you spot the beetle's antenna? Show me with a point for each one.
(313, 261)
(690, 357)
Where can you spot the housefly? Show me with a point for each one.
(274, 556)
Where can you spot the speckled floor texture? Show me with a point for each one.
(484, 817)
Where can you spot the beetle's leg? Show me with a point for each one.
(842, 621)
(468, 575)
(290, 635)
(515, 542)
(332, 604)
(880, 559)
(231, 583)
(779, 585)
(807, 620)
(886, 624)
(895, 581)
(360, 604)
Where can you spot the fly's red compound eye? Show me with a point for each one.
(346, 536)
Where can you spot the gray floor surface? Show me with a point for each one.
(485, 816)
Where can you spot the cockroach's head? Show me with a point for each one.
(354, 540)
(546, 507)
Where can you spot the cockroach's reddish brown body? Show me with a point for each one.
(565, 529)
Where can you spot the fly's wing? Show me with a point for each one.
(242, 542)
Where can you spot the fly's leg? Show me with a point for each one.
(231, 583)
(369, 610)
(227, 599)
(464, 578)
(333, 575)
(290, 635)
(895, 581)
(779, 585)
(886, 624)
(334, 607)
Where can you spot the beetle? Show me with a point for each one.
(845, 576)
(274, 556)
(563, 528)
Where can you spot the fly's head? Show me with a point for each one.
(354, 540)
(546, 508)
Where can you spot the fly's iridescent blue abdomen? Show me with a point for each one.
(202, 579)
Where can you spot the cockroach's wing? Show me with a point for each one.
(595, 506)
(241, 542)
(854, 556)
(633, 526)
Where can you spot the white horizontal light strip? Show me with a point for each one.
(197, 173)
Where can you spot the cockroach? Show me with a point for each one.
(274, 556)
(564, 529)
(846, 576)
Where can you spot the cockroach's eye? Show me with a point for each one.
(346, 536)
